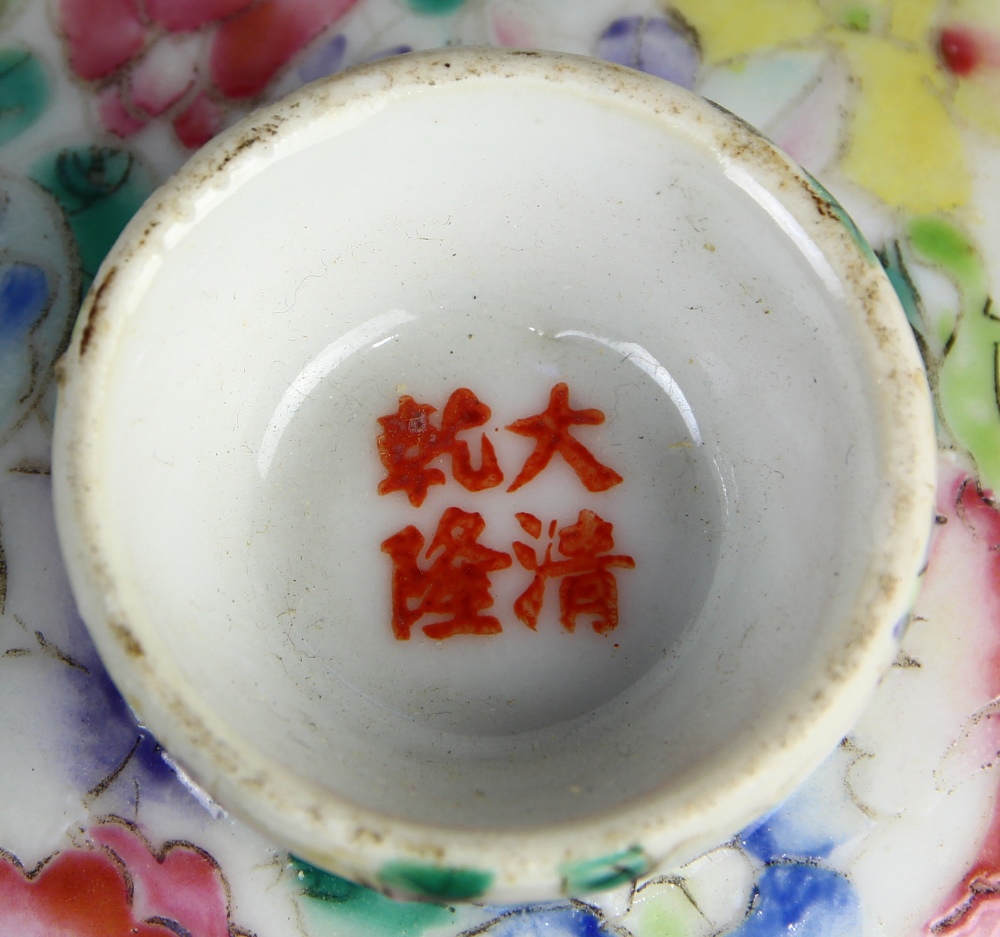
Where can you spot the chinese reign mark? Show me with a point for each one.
(449, 579)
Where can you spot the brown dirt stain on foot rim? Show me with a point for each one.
(736, 119)
(258, 134)
(200, 737)
(888, 587)
(127, 640)
(822, 205)
(96, 308)
(362, 834)
(150, 228)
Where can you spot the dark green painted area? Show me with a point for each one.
(435, 882)
(438, 7)
(361, 910)
(99, 189)
(592, 875)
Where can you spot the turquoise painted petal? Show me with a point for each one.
(895, 269)
(24, 92)
(845, 219)
(759, 89)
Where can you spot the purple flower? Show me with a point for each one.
(326, 60)
(663, 46)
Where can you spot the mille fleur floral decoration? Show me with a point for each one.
(894, 105)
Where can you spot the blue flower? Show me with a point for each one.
(803, 900)
(548, 921)
(24, 291)
(25, 298)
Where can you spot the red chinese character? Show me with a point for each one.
(409, 442)
(456, 585)
(550, 430)
(586, 586)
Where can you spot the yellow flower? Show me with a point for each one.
(900, 139)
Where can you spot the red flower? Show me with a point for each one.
(243, 65)
(188, 61)
(118, 887)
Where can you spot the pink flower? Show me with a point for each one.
(186, 15)
(186, 61)
(972, 523)
(118, 887)
(102, 35)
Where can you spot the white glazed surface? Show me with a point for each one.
(762, 395)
